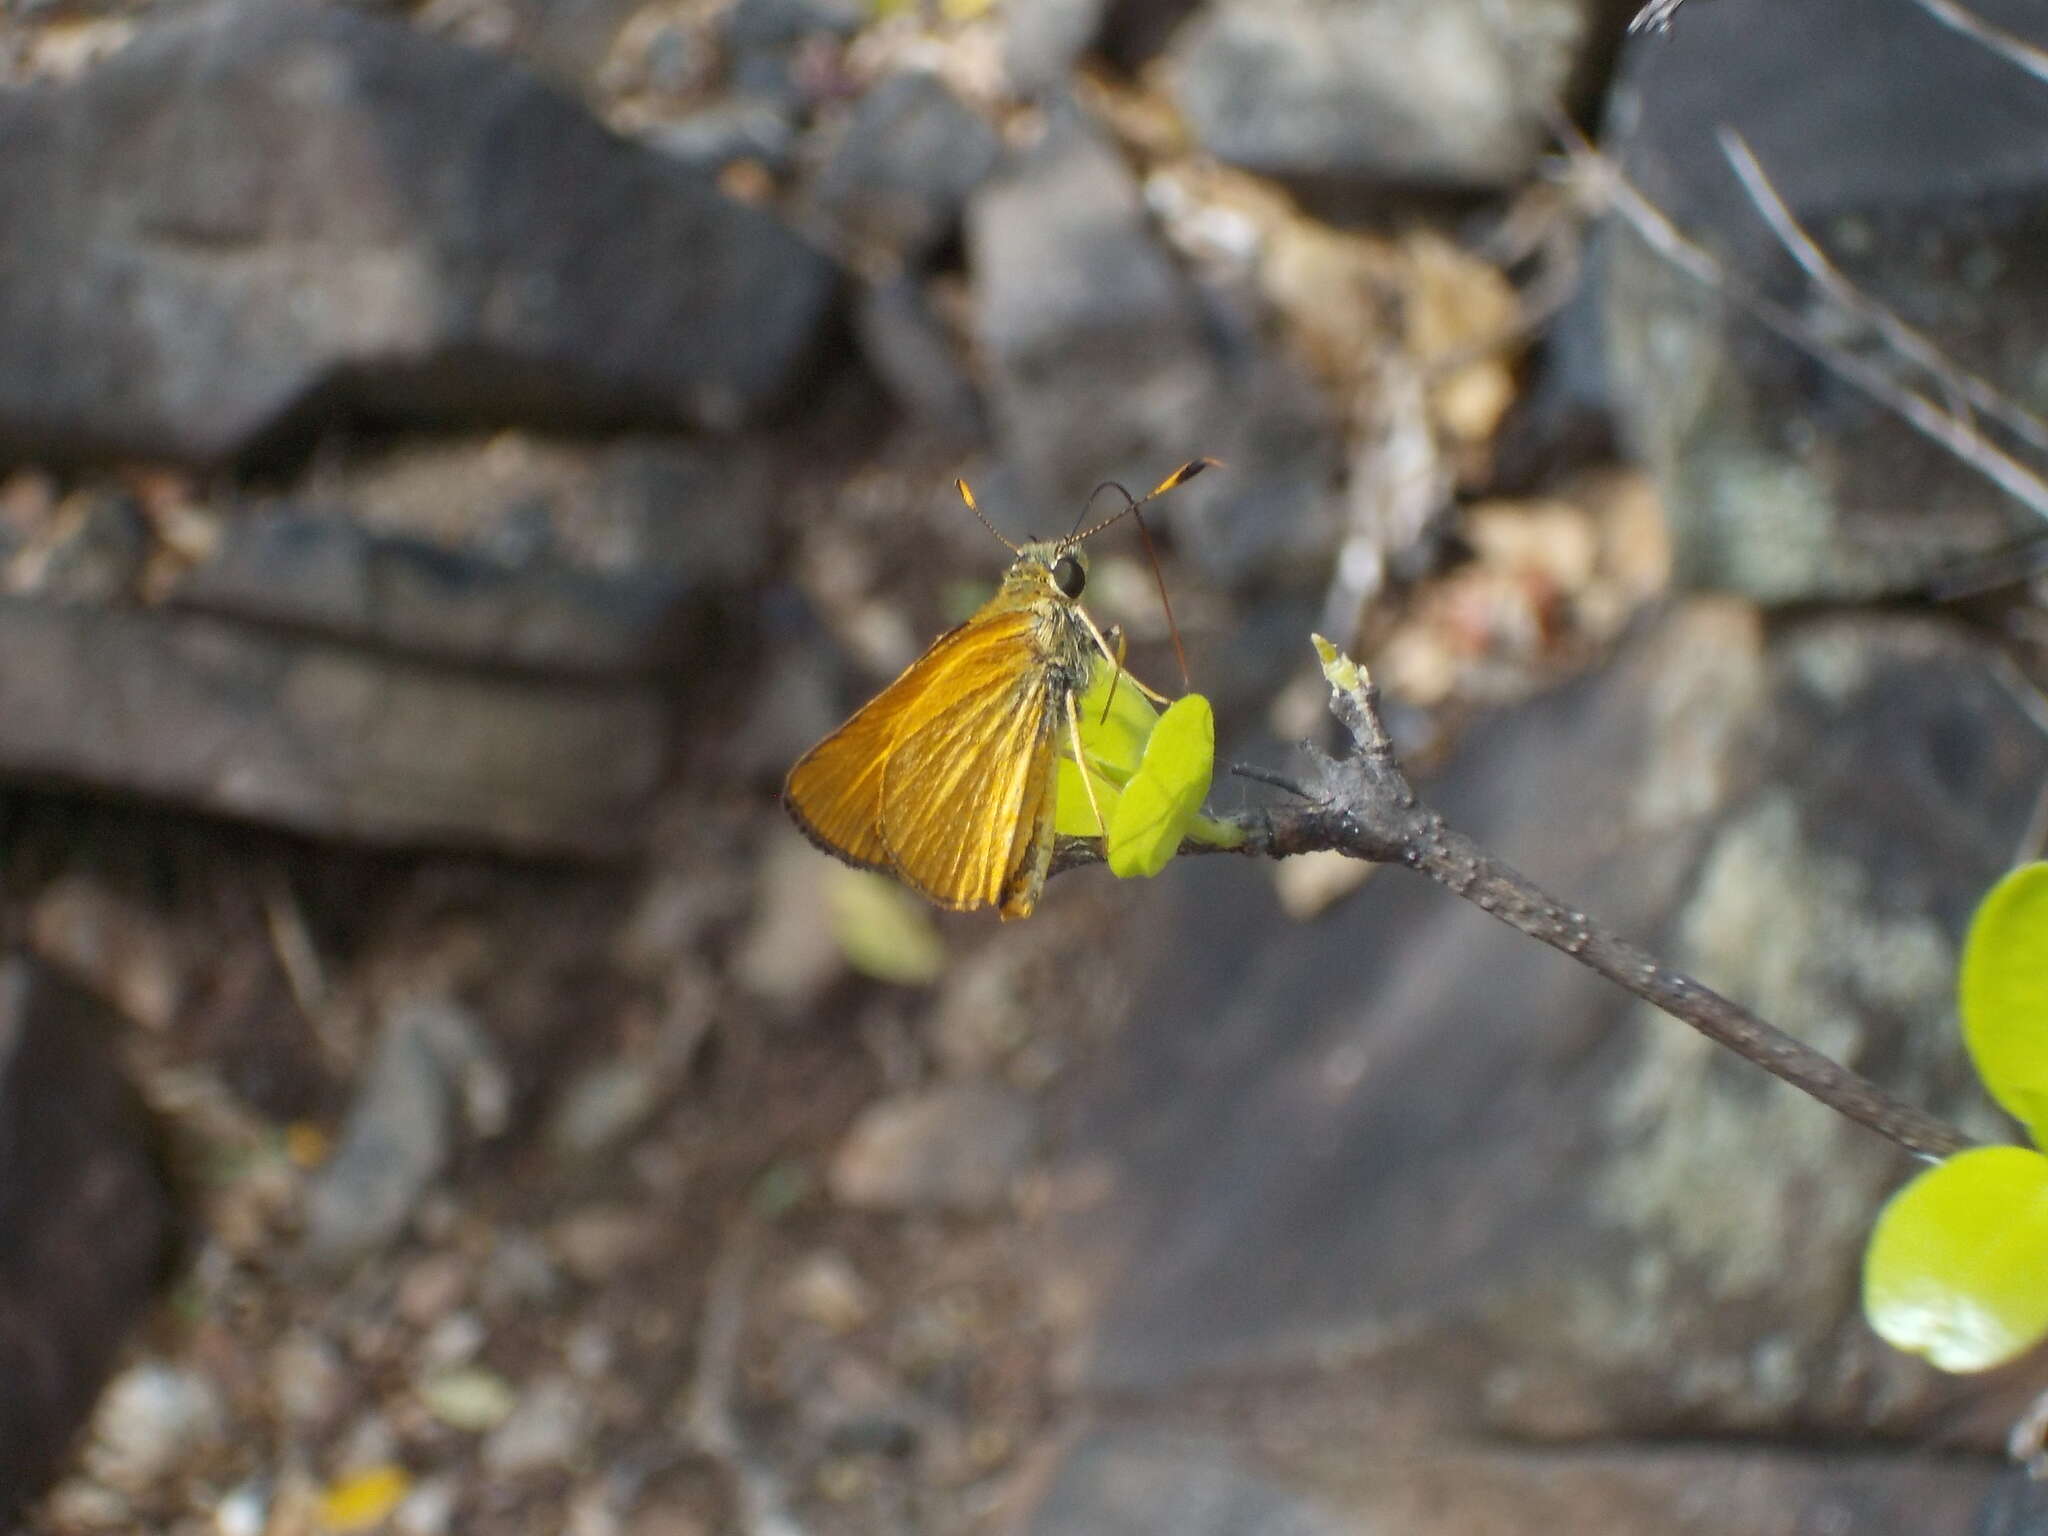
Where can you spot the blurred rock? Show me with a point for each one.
(86, 1227)
(256, 217)
(1412, 1155)
(1043, 40)
(276, 727)
(688, 514)
(2017, 1506)
(152, 1418)
(107, 941)
(330, 576)
(826, 1289)
(547, 1430)
(915, 357)
(1137, 1483)
(1093, 338)
(598, 1241)
(955, 1147)
(399, 1134)
(1114, 1481)
(603, 1105)
(1431, 93)
(910, 156)
(718, 136)
(1105, 362)
(773, 47)
(1919, 173)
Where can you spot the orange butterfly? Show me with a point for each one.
(945, 779)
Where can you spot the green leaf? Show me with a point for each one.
(1957, 1268)
(1165, 795)
(2003, 995)
(1115, 747)
(883, 930)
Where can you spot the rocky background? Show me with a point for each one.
(454, 456)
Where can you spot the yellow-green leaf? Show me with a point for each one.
(1115, 746)
(1957, 1267)
(2004, 995)
(882, 929)
(1165, 795)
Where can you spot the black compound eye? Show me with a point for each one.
(1068, 576)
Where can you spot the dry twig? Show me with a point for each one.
(2007, 45)
(1937, 423)
(1362, 805)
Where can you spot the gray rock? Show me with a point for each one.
(399, 1133)
(1043, 40)
(152, 1418)
(910, 155)
(752, 24)
(955, 1147)
(86, 1222)
(1136, 1483)
(1123, 1480)
(1916, 164)
(1105, 362)
(548, 1429)
(295, 731)
(331, 576)
(1410, 1153)
(716, 137)
(257, 216)
(915, 358)
(1093, 338)
(1440, 93)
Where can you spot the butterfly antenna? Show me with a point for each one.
(968, 496)
(1180, 476)
(1180, 654)
(1081, 517)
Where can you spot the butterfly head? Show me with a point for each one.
(1059, 565)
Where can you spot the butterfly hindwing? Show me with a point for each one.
(961, 796)
(970, 722)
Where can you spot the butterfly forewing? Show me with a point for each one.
(962, 795)
(971, 724)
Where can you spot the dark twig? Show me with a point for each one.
(1269, 777)
(1363, 805)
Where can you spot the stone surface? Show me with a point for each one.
(1135, 1483)
(915, 358)
(255, 219)
(910, 155)
(151, 1419)
(1437, 93)
(399, 1135)
(1104, 361)
(1042, 40)
(86, 1222)
(1916, 166)
(959, 1146)
(1407, 1149)
(345, 742)
(1123, 1480)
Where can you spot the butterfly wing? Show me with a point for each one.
(963, 795)
(835, 792)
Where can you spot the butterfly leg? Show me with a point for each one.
(1116, 659)
(1081, 762)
